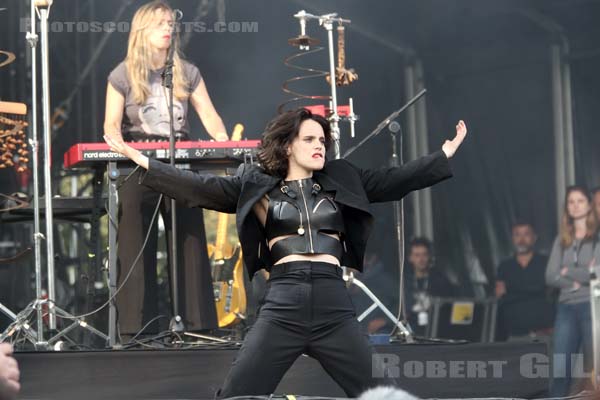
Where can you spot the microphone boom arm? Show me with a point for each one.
(385, 122)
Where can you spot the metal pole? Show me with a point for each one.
(176, 324)
(327, 21)
(423, 148)
(93, 81)
(334, 118)
(44, 8)
(113, 175)
(378, 304)
(557, 105)
(32, 39)
(398, 207)
(413, 151)
(567, 115)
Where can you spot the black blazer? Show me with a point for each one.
(354, 188)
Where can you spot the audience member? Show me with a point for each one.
(524, 307)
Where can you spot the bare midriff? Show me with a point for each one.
(260, 209)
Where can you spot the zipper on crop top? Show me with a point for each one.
(312, 249)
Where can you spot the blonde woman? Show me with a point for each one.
(137, 110)
(574, 254)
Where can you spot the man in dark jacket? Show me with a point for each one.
(524, 306)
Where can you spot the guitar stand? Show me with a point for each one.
(21, 323)
(17, 325)
(405, 333)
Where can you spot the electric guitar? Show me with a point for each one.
(227, 269)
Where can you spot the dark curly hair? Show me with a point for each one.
(279, 134)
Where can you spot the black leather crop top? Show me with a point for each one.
(302, 209)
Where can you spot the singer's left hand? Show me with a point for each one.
(450, 146)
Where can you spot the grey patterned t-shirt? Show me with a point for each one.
(151, 119)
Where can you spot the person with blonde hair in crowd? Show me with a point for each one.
(137, 108)
(574, 254)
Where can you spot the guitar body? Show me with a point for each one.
(228, 285)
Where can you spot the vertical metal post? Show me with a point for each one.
(426, 208)
(413, 151)
(558, 118)
(44, 8)
(334, 118)
(94, 95)
(113, 175)
(567, 115)
(32, 40)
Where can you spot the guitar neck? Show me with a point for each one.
(221, 237)
(223, 220)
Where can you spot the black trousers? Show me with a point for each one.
(306, 309)
(137, 302)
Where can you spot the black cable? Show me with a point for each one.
(132, 268)
(147, 325)
(107, 210)
(15, 257)
(129, 175)
(154, 339)
(182, 345)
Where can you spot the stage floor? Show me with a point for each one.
(427, 370)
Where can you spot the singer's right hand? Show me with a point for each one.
(450, 146)
(116, 143)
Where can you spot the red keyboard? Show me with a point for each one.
(86, 155)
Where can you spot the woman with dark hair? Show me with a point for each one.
(573, 256)
(301, 218)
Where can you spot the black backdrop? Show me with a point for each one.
(484, 62)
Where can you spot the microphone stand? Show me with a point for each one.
(385, 123)
(22, 321)
(176, 325)
(396, 159)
